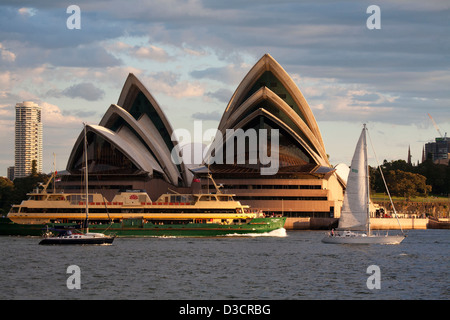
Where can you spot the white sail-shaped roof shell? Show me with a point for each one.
(302, 124)
(142, 133)
(126, 142)
(268, 63)
(148, 133)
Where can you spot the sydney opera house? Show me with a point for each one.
(131, 148)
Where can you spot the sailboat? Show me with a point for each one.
(67, 236)
(354, 222)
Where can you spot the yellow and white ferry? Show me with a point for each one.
(133, 213)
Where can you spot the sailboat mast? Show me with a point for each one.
(86, 178)
(54, 173)
(366, 165)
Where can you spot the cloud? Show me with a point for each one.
(213, 115)
(45, 27)
(27, 12)
(80, 113)
(169, 84)
(82, 56)
(6, 55)
(229, 74)
(366, 97)
(222, 95)
(198, 51)
(7, 112)
(84, 90)
(193, 52)
(153, 53)
(53, 117)
(5, 79)
(150, 52)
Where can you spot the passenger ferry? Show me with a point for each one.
(132, 213)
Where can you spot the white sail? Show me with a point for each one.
(354, 213)
(355, 209)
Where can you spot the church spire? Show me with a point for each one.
(409, 155)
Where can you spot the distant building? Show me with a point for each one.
(10, 173)
(438, 151)
(28, 139)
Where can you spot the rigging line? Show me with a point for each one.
(107, 212)
(385, 185)
(106, 207)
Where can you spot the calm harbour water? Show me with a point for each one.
(297, 266)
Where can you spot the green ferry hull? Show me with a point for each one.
(135, 228)
(9, 228)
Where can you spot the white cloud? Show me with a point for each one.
(6, 55)
(184, 89)
(6, 113)
(192, 52)
(52, 116)
(168, 83)
(27, 11)
(5, 80)
(150, 52)
(229, 74)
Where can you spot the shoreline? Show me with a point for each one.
(375, 223)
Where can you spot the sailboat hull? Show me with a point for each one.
(81, 240)
(363, 239)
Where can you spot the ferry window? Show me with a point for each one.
(56, 198)
(207, 198)
(177, 198)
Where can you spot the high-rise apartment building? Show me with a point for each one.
(28, 140)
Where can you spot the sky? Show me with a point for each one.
(191, 55)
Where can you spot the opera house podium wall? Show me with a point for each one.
(131, 148)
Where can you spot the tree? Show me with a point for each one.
(407, 184)
(6, 195)
(34, 172)
(24, 185)
(437, 176)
